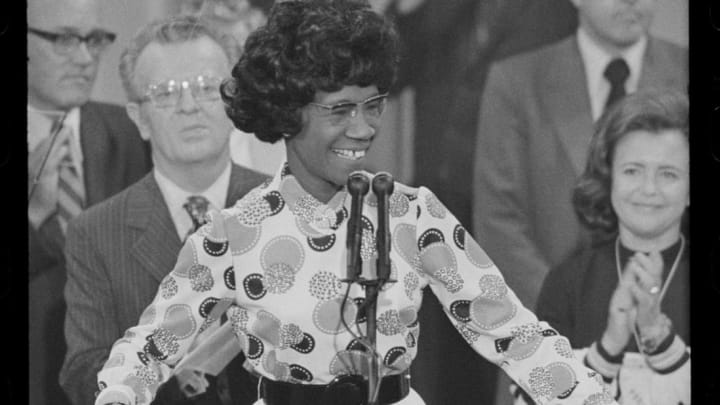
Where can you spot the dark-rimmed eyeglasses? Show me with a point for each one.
(167, 94)
(342, 113)
(65, 43)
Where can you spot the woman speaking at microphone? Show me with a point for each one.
(316, 77)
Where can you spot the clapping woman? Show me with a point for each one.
(624, 302)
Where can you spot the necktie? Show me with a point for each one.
(71, 193)
(616, 73)
(196, 206)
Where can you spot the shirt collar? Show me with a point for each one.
(595, 60)
(175, 196)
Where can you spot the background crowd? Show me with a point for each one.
(494, 110)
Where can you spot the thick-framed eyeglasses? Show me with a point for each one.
(342, 113)
(65, 43)
(167, 94)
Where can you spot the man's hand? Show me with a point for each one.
(44, 199)
(192, 382)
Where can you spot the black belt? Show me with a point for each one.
(343, 390)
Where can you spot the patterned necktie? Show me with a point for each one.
(71, 193)
(196, 206)
(616, 73)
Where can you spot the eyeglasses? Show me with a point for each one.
(342, 113)
(167, 94)
(66, 43)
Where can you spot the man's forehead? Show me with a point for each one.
(64, 15)
(159, 62)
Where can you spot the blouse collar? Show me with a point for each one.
(668, 255)
(324, 217)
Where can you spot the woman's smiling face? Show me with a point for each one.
(330, 147)
(651, 184)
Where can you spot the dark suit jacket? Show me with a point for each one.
(114, 156)
(534, 132)
(117, 254)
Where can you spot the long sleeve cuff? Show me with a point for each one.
(116, 394)
(671, 358)
(599, 360)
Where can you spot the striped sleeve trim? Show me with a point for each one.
(670, 359)
(683, 360)
(596, 361)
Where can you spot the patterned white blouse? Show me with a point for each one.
(279, 256)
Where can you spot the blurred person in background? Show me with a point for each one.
(80, 152)
(431, 120)
(119, 251)
(239, 18)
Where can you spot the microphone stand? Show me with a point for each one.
(382, 186)
(358, 187)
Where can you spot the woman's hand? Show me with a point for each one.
(646, 288)
(620, 321)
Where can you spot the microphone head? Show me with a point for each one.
(383, 184)
(358, 183)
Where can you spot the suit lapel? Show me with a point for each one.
(569, 106)
(96, 147)
(240, 184)
(158, 246)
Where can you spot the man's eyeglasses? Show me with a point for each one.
(342, 113)
(66, 43)
(167, 94)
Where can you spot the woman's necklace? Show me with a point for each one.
(666, 283)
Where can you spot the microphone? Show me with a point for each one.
(358, 186)
(382, 186)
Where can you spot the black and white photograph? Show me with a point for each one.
(365, 202)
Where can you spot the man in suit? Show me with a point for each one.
(535, 125)
(96, 152)
(119, 251)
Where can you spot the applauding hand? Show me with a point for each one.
(620, 318)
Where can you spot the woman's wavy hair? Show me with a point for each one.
(307, 46)
(647, 110)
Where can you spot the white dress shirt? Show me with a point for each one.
(595, 59)
(175, 197)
